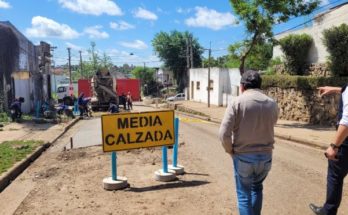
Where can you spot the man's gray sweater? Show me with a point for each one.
(248, 124)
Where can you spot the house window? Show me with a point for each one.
(61, 89)
(198, 85)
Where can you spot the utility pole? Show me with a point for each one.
(188, 68)
(209, 56)
(54, 65)
(191, 52)
(69, 64)
(81, 63)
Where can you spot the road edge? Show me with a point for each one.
(315, 144)
(9, 176)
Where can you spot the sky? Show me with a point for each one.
(124, 29)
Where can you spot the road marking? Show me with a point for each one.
(193, 120)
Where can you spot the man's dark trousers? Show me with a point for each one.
(337, 171)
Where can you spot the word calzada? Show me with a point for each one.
(126, 131)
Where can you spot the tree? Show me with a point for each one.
(106, 61)
(148, 83)
(171, 48)
(259, 57)
(94, 58)
(259, 16)
(336, 42)
(296, 48)
(144, 74)
(95, 62)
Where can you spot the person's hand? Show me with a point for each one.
(323, 91)
(331, 153)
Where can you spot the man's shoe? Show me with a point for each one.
(317, 210)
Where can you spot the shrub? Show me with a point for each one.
(336, 42)
(301, 82)
(271, 70)
(296, 48)
(4, 117)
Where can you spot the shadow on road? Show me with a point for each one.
(193, 173)
(177, 184)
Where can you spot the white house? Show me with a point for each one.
(224, 85)
(333, 17)
(164, 77)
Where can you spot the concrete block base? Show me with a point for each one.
(165, 177)
(119, 184)
(179, 170)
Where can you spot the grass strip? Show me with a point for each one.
(12, 152)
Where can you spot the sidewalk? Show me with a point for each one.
(318, 136)
(31, 131)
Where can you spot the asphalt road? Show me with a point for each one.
(297, 178)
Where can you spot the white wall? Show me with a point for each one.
(230, 81)
(201, 75)
(318, 54)
(225, 83)
(22, 90)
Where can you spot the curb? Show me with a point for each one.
(18, 168)
(315, 144)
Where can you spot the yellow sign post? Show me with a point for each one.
(126, 131)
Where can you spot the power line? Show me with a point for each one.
(297, 26)
(319, 8)
(304, 23)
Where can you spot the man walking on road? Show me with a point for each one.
(247, 134)
(337, 154)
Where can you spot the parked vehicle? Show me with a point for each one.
(65, 109)
(63, 94)
(177, 97)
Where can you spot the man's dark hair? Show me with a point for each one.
(251, 80)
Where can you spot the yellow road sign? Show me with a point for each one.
(125, 131)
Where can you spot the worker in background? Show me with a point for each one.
(129, 101)
(113, 108)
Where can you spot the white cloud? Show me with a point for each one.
(43, 27)
(4, 4)
(144, 14)
(136, 44)
(94, 32)
(73, 46)
(121, 25)
(182, 10)
(92, 7)
(210, 18)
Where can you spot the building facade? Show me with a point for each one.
(24, 69)
(224, 85)
(164, 77)
(332, 17)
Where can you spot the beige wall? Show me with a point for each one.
(318, 53)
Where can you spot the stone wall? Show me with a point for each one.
(314, 69)
(305, 105)
(318, 70)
